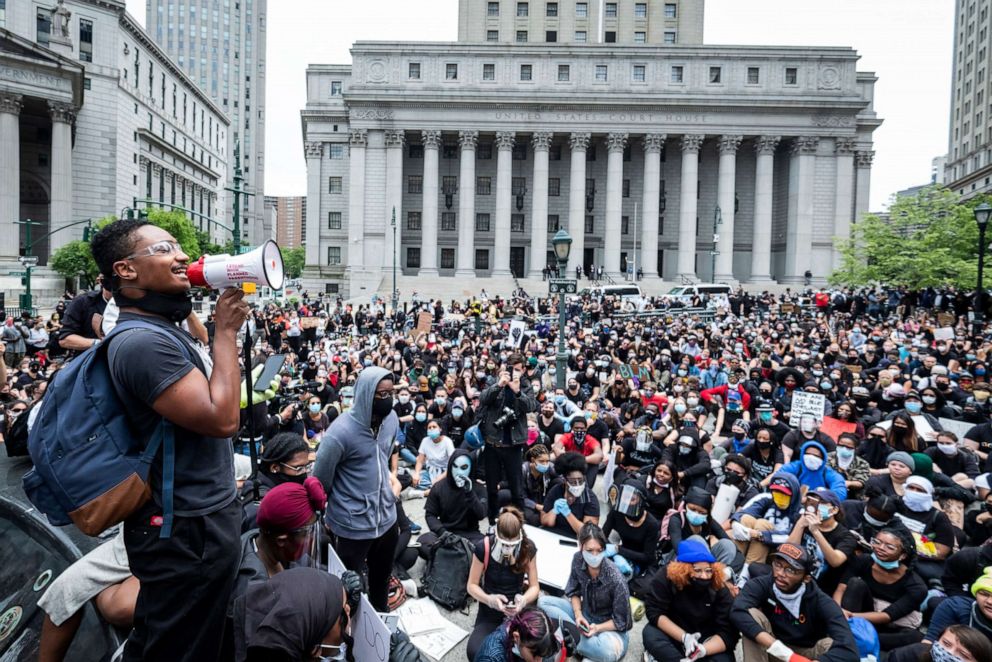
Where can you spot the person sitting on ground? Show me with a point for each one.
(453, 505)
(538, 478)
(821, 533)
(578, 440)
(883, 589)
(285, 459)
(299, 615)
(953, 460)
(785, 616)
(570, 503)
(596, 600)
(530, 635)
(736, 473)
(957, 611)
(637, 553)
(432, 458)
(813, 471)
(767, 519)
(892, 480)
(852, 468)
(696, 522)
(503, 577)
(931, 528)
(688, 609)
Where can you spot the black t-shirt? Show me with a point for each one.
(904, 596)
(498, 578)
(587, 506)
(79, 314)
(841, 539)
(553, 429)
(638, 458)
(143, 364)
(983, 435)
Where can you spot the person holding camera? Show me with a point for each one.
(504, 407)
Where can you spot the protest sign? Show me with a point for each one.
(806, 403)
(309, 322)
(944, 333)
(424, 321)
(960, 428)
(833, 427)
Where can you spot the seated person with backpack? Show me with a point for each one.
(637, 554)
(503, 577)
(785, 616)
(694, 521)
(453, 505)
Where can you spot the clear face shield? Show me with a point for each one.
(507, 549)
(630, 502)
(643, 440)
(304, 543)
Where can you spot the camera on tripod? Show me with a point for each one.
(508, 417)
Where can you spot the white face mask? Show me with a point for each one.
(812, 462)
(593, 560)
(577, 490)
(948, 449)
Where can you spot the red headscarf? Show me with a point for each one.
(290, 506)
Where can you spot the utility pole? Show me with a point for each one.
(28, 262)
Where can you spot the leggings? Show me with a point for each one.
(374, 558)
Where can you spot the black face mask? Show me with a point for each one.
(281, 478)
(381, 407)
(701, 583)
(173, 307)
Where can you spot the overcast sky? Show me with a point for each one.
(907, 43)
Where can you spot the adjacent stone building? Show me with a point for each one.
(689, 162)
(93, 116)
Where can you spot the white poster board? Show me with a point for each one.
(944, 333)
(923, 428)
(518, 331)
(370, 633)
(611, 466)
(554, 556)
(960, 428)
(804, 403)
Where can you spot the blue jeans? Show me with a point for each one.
(408, 455)
(603, 647)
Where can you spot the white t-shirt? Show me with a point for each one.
(436, 454)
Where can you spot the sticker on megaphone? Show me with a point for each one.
(262, 266)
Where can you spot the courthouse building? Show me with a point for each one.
(92, 116)
(683, 160)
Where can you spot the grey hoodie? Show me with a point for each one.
(353, 466)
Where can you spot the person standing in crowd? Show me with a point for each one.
(187, 577)
(505, 406)
(353, 465)
(785, 616)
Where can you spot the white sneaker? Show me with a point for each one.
(411, 493)
(410, 587)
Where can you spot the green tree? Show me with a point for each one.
(74, 259)
(179, 226)
(929, 239)
(293, 260)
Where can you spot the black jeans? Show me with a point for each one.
(373, 558)
(502, 462)
(186, 583)
(665, 649)
(486, 623)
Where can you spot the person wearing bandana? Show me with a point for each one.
(496, 579)
(785, 616)
(578, 440)
(159, 374)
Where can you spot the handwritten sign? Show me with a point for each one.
(803, 404)
(611, 467)
(424, 321)
(370, 633)
(309, 322)
(633, 371)
(960, 428)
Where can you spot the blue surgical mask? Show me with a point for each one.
(914, 407)
(593, 560)
(542, 468)
(845, 453)
(457, 412)
(885, 565)
(420, 416)
(766, 417)
(314, 409)
(824, 511)
(440, 399)
(696, 519)
(433, 434)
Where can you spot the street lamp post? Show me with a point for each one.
(396, 293)
(982, 213)
(717, 222)
(562, 244)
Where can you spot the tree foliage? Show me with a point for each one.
(293, 260)
(75, 259)
(929, 239)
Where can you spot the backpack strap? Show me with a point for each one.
(164, 435)
(485, 562)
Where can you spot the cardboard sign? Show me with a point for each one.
(370, 633)
(960, 428)
(633, 371)
(309, 322)
(834, 428)
(787, 308)
(923, 428)
(424, 321)
(518, 332)
(946, 319)
(944, 333)
(806, 403)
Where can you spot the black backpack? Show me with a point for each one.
(446, 575)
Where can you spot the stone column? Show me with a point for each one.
(843, 195)
(314, 151)
(429, 211)
(761, 238)
(863, 159)
(799, 235)
(10, 175)
(578, 143)
(540, 142)
(687, 205)
(504, 188)
(615, 144)
(650, 205)
(60, 200)
(394, 198)
(725, 195)
(466, 205)
(358, 141)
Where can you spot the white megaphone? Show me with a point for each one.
(262, 266)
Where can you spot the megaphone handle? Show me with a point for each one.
(250, 384)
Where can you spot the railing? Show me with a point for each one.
(16, 312)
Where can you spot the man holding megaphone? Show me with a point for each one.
(186, 578)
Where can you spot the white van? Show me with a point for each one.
(627, 292)
(685, 293)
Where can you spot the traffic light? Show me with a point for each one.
(87, 232)
(24, 280)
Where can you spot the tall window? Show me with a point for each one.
(516, 222)
(791, 76)
(414, 71)
(640, 10)
(671, 10)
(451, 71)
(483, 185)
(677, 73)
(333, 220)
(551, 9)
(626, 188)
(482, 222)
(336, 151)
(601, 73)
(517, 185)
(413, 220)
(449, 222)
(625, 225)
(716, 73)
(3, 13)
(590, 224)
(638, 73)
(413, 257)
(581, 10)
(753, 75)
(669, 37)
(523, 9)
(553, 223)
(488, 72)
(482, 259)
(414, 184)
(521, 36)
(492, 9)
(334, 185)
(43, 23)
(335, 88)
(492, 35)
(580, 36)
(554, 187)
(86, 41)
(447, 258)
(563, 72)
(333, 255)
(640, 37)
(611, 10)
(526, 71)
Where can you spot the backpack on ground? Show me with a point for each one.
(446, 575)
(89, 470)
